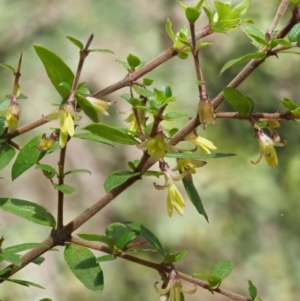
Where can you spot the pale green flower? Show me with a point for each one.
(206, 113)
(99, 105)
(12, 116)
(267, 149)
(174, 288)
(188, 164)
(156, 147)
(174, 198)
(67, 116)
(46, 142)
(201, 143)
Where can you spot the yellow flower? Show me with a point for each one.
(133, 127)
(12, 114)
(174, 288)
(156, 147)
(174, 198)
(67, 116)
(267, 149)
(99, 105)
(188, 164)
(202, 143)
(46, 143)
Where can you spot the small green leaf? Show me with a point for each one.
(294, 34)
(106, 258)
(125, 239)
(197, 156)
(38, 260)
(92, 137)
(247, 57)
(222, 269)
(7, 67)
(110, 133)
(237, 100)
(142, 91)
(83, 91)
(117, 178)
(49, 170)
(296, 111)
(171, 257)
(28, 210)
(252, 290)
(101, 50)
(83, 265)
(11, 257)
(6, 154)
(87, 108)
(65, 189)
(169, 29)
(23, 282)
(77, 171)
(213, 281)
(173, 115)
(147, 81)
(194, 196)
(95, 237)
(66, 86)
(133, 61)
(27, 157)
(116, 230)
(24, 247)
(192, 14)
(4, 271)
(75, 42)
(56, 69)
(148, 235)
(288, 103)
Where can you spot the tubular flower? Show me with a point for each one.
(12, 114)
(46, 142)
(174, 288)
(67, 116)
(99, 105)
(202, 143)
(174, 198)
(156, 147)
(133, 127)
(188, 164)
(267, 149)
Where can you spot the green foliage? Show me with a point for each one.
(294, 34)
(83, 265)
(117, 178)
(6, 154)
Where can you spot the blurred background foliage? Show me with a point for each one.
(253, 209)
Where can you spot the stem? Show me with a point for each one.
(17, 75)
(60, 203)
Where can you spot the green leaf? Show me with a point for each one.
(148, 235)
(56, 69)
(4, 271)
(95, 237)
(27, 157)
(83, 91)
(7, 67)
(294, 34)
(110, 133)
(45, 299)
(106, 258)
(147, 81)
(173, 115)
(213, 281)
(28, 210)
(222, 269)
(288, 103)
(247, 57)
(125, 239)
(38, 260)
(83, 265)
(133, 61)
(296, 111)
(23, 282)
(169, 29)
(87, 108)
(116, 230)
(75, 42)
(65, 189)
(171, 257)
(101, 50)
(117, 178)
(48, 170)
(11, 257)
(77, 171)
(24, 247)
(194, 196)
(142, 91)
(6, 154)
(197, 156)
(92, 137)
(192, 14)
(237, 100)
(252, 290)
